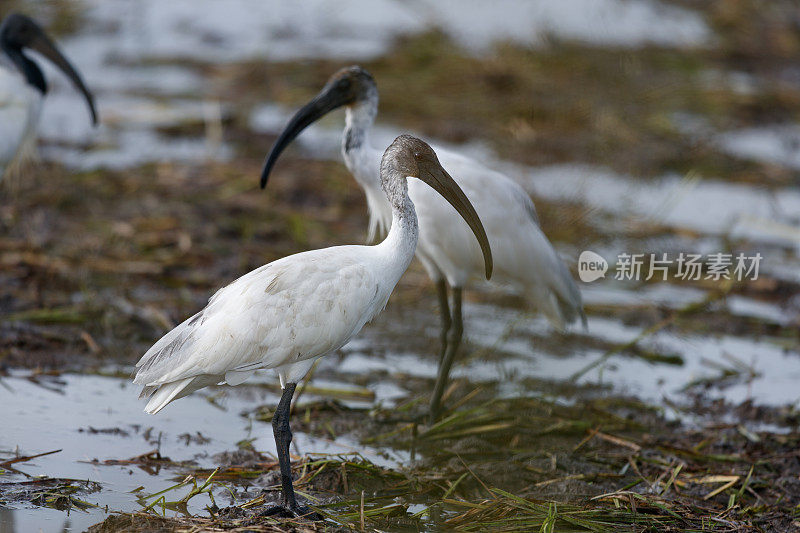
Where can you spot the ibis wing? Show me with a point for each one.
(169, 345)
(293, 309)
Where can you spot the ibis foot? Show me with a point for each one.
(298, 511)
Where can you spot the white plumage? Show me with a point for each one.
(283, 316)
(20, 106)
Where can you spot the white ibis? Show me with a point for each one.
(524, 258)
(22, 84)
(289, 313)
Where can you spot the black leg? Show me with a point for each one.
(283, 438)
(444, 310)
(453, 341)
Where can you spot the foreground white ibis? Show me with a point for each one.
(22, 85)
(524, 258)
(289, 313)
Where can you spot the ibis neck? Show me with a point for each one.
(357, 151)
(363, 161)
(401, 242)
(29, 69)
(359, 118)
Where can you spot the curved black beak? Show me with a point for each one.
(432, 173)
(331, 97)
(42, 44)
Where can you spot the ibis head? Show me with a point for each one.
(409, 156)
(347, 87)
(17, 33)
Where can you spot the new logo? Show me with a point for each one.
(591, 266)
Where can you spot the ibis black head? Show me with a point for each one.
(17, 33)
(348, 86)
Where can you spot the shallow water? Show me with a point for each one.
(778, 144)
(359, 29)
(770, 372)
(119, 40)
(66, 410)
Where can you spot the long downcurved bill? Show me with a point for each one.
(319, 106)
(42, 44)
(432, 173)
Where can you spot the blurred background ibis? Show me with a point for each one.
(22, 85)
